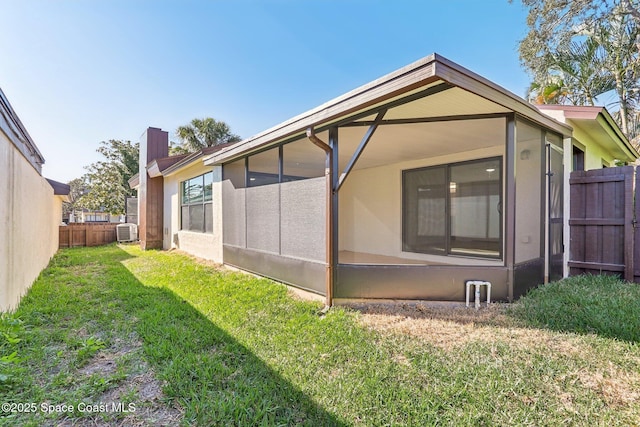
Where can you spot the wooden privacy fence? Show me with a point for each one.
(86, 234)
(604, 238)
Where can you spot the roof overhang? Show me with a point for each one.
(191, 159)
(158, 166)
(134, 181)
(167, 166)
(11, 125)
(432, 75)
(60, 189)
(598, 123)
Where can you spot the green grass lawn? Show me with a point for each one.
(185, 342)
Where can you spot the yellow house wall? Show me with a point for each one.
(203, 245)
(594, 154)
(370, 207)
(29, 218)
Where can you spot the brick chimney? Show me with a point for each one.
(154, 144)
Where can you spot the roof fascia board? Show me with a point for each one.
(407, 79)
(471, 82)
(186, 163)
(618, 136)
(134, 181)
(153, 170)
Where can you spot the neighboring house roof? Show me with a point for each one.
(11, 125)
(60, 189)
(470, 94)
(598, 123)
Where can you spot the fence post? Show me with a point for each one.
(629, 227)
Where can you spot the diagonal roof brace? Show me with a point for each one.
(365, 140)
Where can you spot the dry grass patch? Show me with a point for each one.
(450, 328)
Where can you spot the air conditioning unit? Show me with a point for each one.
(127, 232)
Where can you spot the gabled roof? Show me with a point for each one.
(599, 124)
(430, 75)
(11, 125)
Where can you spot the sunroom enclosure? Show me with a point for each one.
(428, 209)
(403, 195)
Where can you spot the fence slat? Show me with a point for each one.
(86, 234)
(601, 222)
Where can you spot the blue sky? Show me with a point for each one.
(80, 72)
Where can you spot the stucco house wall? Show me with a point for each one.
(371, 200)
(29, 218)
(203, 245)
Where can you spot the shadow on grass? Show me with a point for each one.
(205, 371)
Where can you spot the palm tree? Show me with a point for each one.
(619, 39)
(202, 133)
(576, 75)
(602, 59)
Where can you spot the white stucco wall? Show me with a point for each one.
(203, 245)
(29, 218)
(371, 208)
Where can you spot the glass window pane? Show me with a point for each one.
(234, 172)
(208, 218)
(302, 160)
(196, 189)
(475, 211)
(529, 202)
(184, 218)
(424, 213)
(208, 186)
(196, 218)
(263, 168)
(184, 190)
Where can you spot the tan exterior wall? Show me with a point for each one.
(203, 245)
(29, 218)
(371, 208)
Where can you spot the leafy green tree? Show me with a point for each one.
(578, 50)
(78, 189)
(202, 133)
(107, 180)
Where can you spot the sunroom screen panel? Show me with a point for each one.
(263, 218)
(233, 215)
(303, 232)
